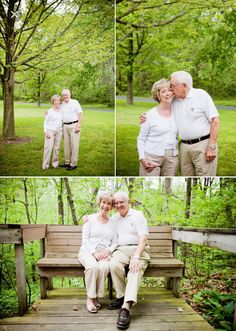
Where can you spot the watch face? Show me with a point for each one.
(213, 147)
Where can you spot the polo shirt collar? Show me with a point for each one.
(130, 212)
(190, 94)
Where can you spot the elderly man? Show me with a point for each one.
(132, 251)
(72, 117)
(197, 122)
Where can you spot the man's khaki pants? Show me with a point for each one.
(193, 160)
(71, 144)
(121, 258)
(52, 146)
(95, 274)
(166, 165)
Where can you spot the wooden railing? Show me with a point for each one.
(17, 234)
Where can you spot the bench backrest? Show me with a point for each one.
(64, 241)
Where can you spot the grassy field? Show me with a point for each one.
(127, 123)
(96, 152)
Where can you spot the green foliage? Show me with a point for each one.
(213, 204)
(127, 119)
(96, 153)
(176, 36)
(218, 308)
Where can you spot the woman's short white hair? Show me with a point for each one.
(157, 86)
(65, 91)
(55, 97)
(105, 196)
(183, 77)
(122, 195)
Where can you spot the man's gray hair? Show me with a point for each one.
(122, 195)
(65, 91)
(183, 77)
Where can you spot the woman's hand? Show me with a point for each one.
(143, 118)
(148, 165)
(48, 135)
(104, 255)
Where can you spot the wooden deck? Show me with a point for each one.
(156, 310)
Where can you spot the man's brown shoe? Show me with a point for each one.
(123, 319)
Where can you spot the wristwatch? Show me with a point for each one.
(213, 147)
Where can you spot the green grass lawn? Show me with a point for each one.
(96, 152)
(127, 130)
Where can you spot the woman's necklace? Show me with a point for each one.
(103, 218)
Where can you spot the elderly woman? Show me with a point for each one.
(98, 243)
(52, 133)
(157, 141)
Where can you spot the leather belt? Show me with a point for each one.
(70, 122)
(197, 140)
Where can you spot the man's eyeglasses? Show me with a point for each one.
(174, 85)
(119, 202)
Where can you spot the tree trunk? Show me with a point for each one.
(167, 185)
(130, 183)
(188, 197)
(130, 99)
(70, 201)
(26, 204)
(39, 89)
(8, 104)
(61, 203)
(8, 76)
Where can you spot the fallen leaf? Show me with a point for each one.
(180, 310)
(35, 307)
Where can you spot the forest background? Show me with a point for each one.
(209, 282)
(47, 46)
(156, 38)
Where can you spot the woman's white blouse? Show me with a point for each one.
(157, 134)
(96, 234)
(53, 120)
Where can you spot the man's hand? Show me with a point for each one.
(143, 118)
(210, 154)
(134, 264)
(148, 165)
(85, 219)
(77, 128)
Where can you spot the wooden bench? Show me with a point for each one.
(61, 247)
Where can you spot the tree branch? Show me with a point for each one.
(54, 39)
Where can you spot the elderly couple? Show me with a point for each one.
(184, 111)
(68, 114)
(109, 244)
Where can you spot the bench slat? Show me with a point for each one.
(64, 228)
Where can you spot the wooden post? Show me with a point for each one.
(234, 322)
(43, 287)
(175, 248)
(175, 289)
(20, 278)
(110, 286)
(42, 247)
(42, 254)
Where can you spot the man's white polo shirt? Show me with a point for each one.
(193, 114)
(130, 227)
(70, 110)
